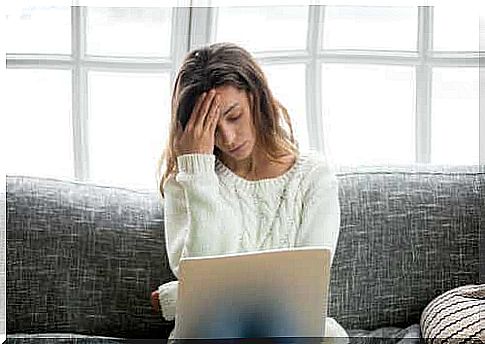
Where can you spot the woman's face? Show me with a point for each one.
(235, 134)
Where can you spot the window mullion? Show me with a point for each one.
(79, 94)
(481, 97)
(202, 26)
(424, 86)
(180, 38)
(315, 120)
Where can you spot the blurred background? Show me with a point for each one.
(88, 88)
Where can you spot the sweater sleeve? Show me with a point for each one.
(196, 216)
(196, 220)
(320, 219)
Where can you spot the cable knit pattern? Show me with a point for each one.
(209, 210)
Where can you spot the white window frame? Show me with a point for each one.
(80, 64)
(198, 25)
(424, 59)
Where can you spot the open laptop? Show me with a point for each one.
(272, 293)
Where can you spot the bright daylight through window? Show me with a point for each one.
(89, 100)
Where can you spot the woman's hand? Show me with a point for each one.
(155, 300)
(199, 134)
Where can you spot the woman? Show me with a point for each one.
(232, 158)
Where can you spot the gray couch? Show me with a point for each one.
(83, 259)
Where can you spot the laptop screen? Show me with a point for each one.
(274, 293)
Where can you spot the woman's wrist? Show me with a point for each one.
(194, 163)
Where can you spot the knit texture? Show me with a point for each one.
(209, 210)
(455, 315)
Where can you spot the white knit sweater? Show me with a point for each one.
(209, 210)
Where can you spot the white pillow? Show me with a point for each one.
(455, 314)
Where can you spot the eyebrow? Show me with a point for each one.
(230, 108)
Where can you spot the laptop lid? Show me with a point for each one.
(272, 293)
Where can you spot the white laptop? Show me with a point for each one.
(273, 293)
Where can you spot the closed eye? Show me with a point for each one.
(234, 118)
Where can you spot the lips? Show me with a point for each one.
(238, 147)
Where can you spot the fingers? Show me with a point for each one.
(199, 134)
(195, 112)
(200, 118)
(154, 301)
(213, 118)
(213, 111)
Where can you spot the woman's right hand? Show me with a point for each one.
(199, 134)
(155, 301)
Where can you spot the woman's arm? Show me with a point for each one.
(320, 217)
(198, 221)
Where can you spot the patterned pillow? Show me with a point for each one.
(456, 315)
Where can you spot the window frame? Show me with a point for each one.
(423, 60)
(202, 20)
(80, 64)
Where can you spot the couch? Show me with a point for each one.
(83, 259)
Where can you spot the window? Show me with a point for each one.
(39, 30)
(370, 28)
(98, 104)
(128, 116)
(368, 85)
(369, 112)
(372, 90)
(39, 135)
(454, 115)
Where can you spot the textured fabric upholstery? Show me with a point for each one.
(407, 235)
(84, 258)
(60, 338)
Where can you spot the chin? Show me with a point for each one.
(243, 154)
(241, 158)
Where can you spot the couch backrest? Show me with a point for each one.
(84, 258)
(407, 235)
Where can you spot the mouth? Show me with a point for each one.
(237, 148)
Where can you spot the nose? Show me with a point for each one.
(227, 137)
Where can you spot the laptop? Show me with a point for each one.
(264, 294)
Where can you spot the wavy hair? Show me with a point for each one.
(221, 64)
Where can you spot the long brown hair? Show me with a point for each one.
(228, 64)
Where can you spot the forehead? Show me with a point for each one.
(230, 94)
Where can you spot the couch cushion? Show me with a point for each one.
(408, 335)
(83, 258)
(55, 338)
(407, 235)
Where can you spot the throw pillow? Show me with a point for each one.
(455, 315)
